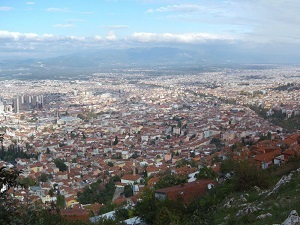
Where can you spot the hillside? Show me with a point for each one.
(262, 207)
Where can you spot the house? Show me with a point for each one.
(71, 201)
(186, 192)
(48, 198)
(36, 167)
(267, 159)
(75, 214)
(131, 179)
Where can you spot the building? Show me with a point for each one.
(186, 192)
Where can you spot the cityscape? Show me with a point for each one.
(128, 123)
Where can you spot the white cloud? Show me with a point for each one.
(190, 38)
(75, 38)
(57, 10)
(67, 25)
(5, 8)
(98, 38)
(30, 3)
(17, 36)
(178, 8)
(111, 36)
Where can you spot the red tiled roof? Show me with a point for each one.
(267, 157)
(188, 191)
(131, 177)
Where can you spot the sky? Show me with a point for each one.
(52, 27)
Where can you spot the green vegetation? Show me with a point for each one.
(12, 212)
(217, 142)
(43, 177)
(290, 124)
(128, 191)
(154, 211)
(60, 164)
(97, 193)
(60, 201)
(12, 153)
(206, 173)
(288, 87)
(169, 180)
(27, 182)
(247, 186)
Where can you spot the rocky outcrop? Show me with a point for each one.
(293, 219)
(249, 209)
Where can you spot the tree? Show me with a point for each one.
(128, 191)
(12, 212)
(160, 211)
(217, 143)
(121, 214)
(43, 177)
(116, 141)
(26, 182)
(146, 209)
(246, 174)
(60, 201)
(170, 180)
(59, 163)
(8, 179)
(206, 173)
(269, 135)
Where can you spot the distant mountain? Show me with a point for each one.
(88, 61)
(132, 56)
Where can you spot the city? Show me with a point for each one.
(125, 124)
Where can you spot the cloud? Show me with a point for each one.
(57, 10)
(270, 21)
(111, 36)
(67, 25)
(17, 36)
(188, 38)
(116, 27)
(5, 8)
(177, 8)
(30, 3)
(98, 38)
(29, 37)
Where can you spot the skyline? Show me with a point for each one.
(35, 28)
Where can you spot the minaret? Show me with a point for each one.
(133, 167)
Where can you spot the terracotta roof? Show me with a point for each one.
(187, 192)
(131, 177)
(267, 157)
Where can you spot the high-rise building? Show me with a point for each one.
(27, 102)
(16, 105)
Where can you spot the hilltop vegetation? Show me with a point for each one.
(248, 187)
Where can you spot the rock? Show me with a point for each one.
(284, 179)
(263, 216)
(229, 203)
(292, 219)
(243, 197)
(246, 211)
(256, 188)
